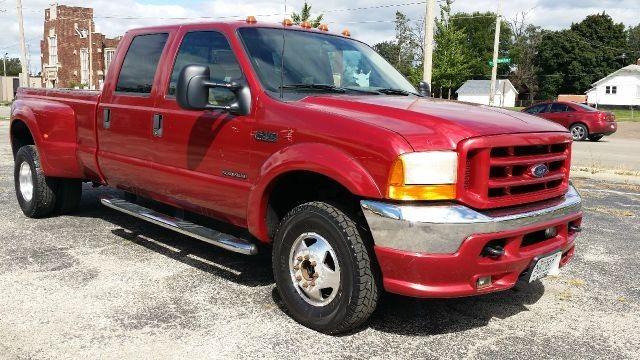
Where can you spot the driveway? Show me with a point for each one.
(100, 284)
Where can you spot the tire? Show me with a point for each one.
(68, 196)
(35, 192)
(595, 138)
(579, 132)
(335, 309)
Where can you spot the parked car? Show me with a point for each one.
(582, 120)
(317, 150)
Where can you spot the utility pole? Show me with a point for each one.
(24, 78)
(428, 42)
(496, 45)
(4, 63)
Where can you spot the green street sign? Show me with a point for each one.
(501, 61)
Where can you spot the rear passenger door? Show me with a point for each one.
(125, 114)
(561, 113)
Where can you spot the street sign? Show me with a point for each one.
(501, 61)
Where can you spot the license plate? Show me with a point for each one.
(548, 265)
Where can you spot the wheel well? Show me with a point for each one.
(20, 136)
(299, 187)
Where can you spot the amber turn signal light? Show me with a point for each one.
(398, 190)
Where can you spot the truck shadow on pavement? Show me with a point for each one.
(394, 314)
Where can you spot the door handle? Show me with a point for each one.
(106, 118)
(157, 125)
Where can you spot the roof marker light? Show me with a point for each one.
(287, 22)
(251, 19)
(323, 27)
(346, 32)
(306, 25)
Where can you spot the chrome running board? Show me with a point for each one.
(213, 237)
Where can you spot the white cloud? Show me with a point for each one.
(370, 25)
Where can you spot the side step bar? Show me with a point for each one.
(213, 237)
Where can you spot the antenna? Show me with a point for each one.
(282, 53)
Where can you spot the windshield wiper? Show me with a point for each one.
(323, 87)
(391, 91)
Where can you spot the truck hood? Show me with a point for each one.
(428, 123)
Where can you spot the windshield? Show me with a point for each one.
(312, 59)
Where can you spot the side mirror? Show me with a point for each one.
(192, 91)
(424, 89)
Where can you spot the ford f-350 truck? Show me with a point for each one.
(321, 151)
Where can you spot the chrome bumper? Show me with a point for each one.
(441, 229)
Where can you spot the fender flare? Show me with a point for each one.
(55, 136)
(309, 157)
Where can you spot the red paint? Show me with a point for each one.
(350, 139)
(597, 122)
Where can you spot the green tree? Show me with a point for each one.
(405, 51)
(525, 41)
(571, 60)
(451, 57)
(479, 31)
(13, 67)
(305, 15)
(633, 39)
(388, 50)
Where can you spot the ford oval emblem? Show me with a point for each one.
(539, 171)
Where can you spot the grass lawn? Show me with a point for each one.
(626, 114)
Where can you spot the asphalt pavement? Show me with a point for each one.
(100, 284)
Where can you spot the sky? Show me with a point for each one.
(372, 25)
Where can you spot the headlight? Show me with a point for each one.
(427, 175)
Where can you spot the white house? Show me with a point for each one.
(477, 91)
(621, 87)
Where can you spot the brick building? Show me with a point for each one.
(73, 54)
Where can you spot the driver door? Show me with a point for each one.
(200, 159)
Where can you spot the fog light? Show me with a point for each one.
(550, 233)
(483, 282)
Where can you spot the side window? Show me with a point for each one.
(614, 90)
(209, 48)
(556, 107)
(140, 63)
(537, 109)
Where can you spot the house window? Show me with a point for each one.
(53, 50)
(611, 90)
(84, 66)
(108, 58)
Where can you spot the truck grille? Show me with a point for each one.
(498, 171)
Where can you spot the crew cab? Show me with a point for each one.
(583, 121)
(311, 146)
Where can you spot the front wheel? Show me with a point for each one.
(323, 270)
(579, 132)
(595, 138)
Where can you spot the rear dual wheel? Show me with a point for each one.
(39, 195)
(323, 269)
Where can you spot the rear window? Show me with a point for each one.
(140, 63)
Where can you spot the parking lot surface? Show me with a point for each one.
(99, 284)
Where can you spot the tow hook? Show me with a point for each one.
(493, 251)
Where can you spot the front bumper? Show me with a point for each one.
(436, 250)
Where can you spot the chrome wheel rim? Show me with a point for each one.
(314, 269)
(578, 133)
(26, 181)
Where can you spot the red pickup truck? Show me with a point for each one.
(320, 152)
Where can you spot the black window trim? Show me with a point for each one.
(137, 94)
(166, 94)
